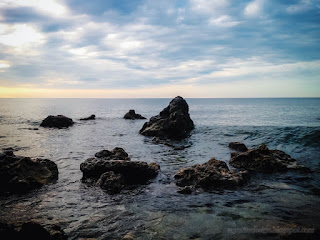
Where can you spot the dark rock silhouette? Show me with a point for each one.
(262, 159)
(92, 117)
(113, 171)
(116, 154)
(133, 115)
(173, 122)
(213, 174)
(58, 121)
(31, 230)
(20, 174)
(238, 146)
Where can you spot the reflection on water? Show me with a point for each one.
(157, 211)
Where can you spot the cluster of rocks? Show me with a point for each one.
(21, 174)
(113, 171)
(215, 174)
(31, 230)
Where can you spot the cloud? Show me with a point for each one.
(254, 8)
(126, 46)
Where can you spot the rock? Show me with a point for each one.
(238, 146)
(213, 174)
(133, 115)
(21, 174)
(31, 230)
(173, 122)
(116, 154)
(92, 117)
(262, 159)
(113, 171)
(58, 121)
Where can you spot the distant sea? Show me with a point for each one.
(268, 203)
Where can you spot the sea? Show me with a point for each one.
(268, 207)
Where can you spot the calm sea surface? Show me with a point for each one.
(157, 211)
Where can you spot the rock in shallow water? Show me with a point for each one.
(238, 146)
(20, 174)
(116, 154)
(115, 175)
(213, 174)
(173, 122)
(133, 115)
(58, 121)
(262, 159)
(92, 117)
(31, 230)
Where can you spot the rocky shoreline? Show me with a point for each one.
(113, 171)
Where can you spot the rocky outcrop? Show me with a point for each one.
(238, 146)
(31, 230)
(173, 122)
(58, 121)
(20, 174)
(116, 154)
(92, 117)
(133, 115)
(262, 159)
(113, 171)
(213, 174)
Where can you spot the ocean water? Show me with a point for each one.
(267, 204)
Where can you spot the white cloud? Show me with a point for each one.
(223, 21)
(254, 8)
(19, 35)
(208, 6)
(51, 7)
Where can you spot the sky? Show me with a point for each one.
(152, 48)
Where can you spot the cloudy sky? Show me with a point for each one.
(153, 48)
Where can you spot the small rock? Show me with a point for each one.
(58, 121)
(116, 154)
(238, 146)
(92, 117)
(133, 115)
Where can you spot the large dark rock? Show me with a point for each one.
(31, 230)
(213, 174)
(238, 146)
(92, 117)
(58, 121)
(116, 175)
(173, 122)
(262, 159)
(133, 115)
(20, 174)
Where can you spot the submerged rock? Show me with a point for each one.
(116, 175)
(173, 122)
(58, 121)
(238, 146)
(31, 230)
(92, 117)
(262, 159)
(213, 174)
(133, 115)
(20, 174)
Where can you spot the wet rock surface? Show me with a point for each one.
(133, 115)
(114, 171)
(262, 159)
(213, 174)
(21, 174)
(91, 117)
(58, 121)
(238, 146)
(173, 122)
(31, 230)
